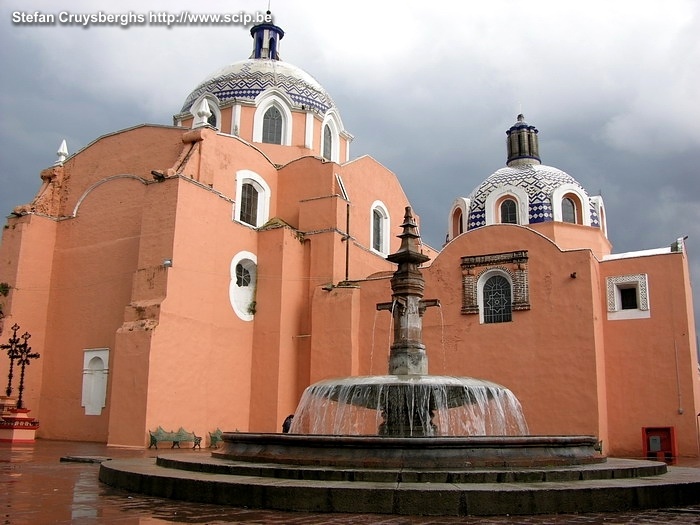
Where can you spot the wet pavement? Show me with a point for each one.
(38, 487)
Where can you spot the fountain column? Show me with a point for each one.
(407, 356)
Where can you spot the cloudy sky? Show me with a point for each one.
(427, 89)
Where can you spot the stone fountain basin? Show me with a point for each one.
(453, 452)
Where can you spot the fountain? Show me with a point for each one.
(408, 402)
(428, 421)
(409, 443)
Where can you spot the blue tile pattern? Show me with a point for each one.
(537, 180)
(248, 78)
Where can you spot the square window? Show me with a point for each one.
(628, 298)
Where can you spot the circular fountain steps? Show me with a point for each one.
(611, 486)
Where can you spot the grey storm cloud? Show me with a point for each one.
(612, 87)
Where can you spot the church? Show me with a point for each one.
(202, 274)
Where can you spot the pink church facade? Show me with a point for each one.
(201, 275)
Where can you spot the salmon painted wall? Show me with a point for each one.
(531, 355)
(94, 258)
(200, 355)
(134, 151)
(575, 236)
(653, 378)
(281, 314)
(25, 266)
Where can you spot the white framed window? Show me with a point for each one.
(95, 374)
(495, 200)
(459, 215)
(330, 138)
(495, 293)
(628, 297)
(379, 228)
(244, 273)
(571, 204)
(270, 125)
(252, 205)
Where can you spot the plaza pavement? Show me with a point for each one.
(39, 487)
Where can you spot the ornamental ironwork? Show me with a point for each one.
(20, 353)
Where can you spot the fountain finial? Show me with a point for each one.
(410, 250)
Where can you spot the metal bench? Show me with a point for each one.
(215, 438)
(175, 437)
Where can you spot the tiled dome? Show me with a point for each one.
(537, 180)
(246, 79)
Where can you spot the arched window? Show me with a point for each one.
(327, 142)
(249, 204)
(242, 286)
(272, 126)
(253, 196)
(272, 120)
(497, 307)
(509, 212)
(457, 222)
(379, 228)
(568, 210)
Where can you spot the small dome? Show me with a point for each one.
(537, 180)
(246, 79)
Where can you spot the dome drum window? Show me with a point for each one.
(272, 126)
(495, 285)
(508, 211)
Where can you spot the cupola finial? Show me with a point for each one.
(266, 39)
(523, 146)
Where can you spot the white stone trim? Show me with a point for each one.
(599, 207)
(614, 284)
(309, 131)
(584, 207)
(462, 204)
(521, 199)
(236, 120)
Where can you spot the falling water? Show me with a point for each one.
(439, 406)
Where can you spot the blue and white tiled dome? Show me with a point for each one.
(537, 180)
(246, 79)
